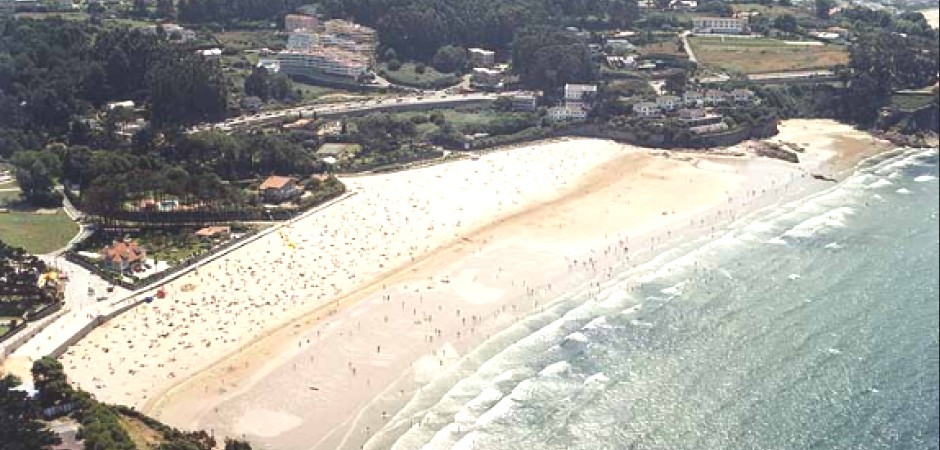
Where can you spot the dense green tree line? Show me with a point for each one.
(54, 71)
(19, 276)
(881, 63)
(20, 427)
(417, 29)
(547, 58)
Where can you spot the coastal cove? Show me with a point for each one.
(373, 344)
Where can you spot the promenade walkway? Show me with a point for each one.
(83, 312)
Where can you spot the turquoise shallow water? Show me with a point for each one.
(813, 325)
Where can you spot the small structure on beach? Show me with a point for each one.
(123, 255)
(277, 189)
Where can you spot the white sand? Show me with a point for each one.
(442, 257)
(395, 219)
(932, 15)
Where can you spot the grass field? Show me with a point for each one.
(249, 40)
(408, 76)
(910, 102)
(9, 198)
(772, 11)
(762, 55)
(36, 233)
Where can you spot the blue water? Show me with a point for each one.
(813, 325)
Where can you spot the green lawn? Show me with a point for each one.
(772, 11)
(910, 102)
(37, 233)
(764, 55)
(9, 198)
(250, 40)
(407, 75)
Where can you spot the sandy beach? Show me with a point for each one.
(932, 15)
(314, 337)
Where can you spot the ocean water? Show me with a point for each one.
(810, 325)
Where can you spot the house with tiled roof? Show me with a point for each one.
(276, 189)
(122, 256)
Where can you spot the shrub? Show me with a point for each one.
(420, 68)
(394, 65)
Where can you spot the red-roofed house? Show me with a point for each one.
(277, 189)
(123, 255)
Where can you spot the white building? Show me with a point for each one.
(622, 62)
(714, 96)
(127, 104)
(302, 41)
(691, 113)
(646, 109)
(580, 92)
(668, 102)
(271, 65)
(210, 52)
(721, 25)
(486, 77)
(481, 58)
(567, 113)
(320, 61)
(173, 32)
(693, 98)
(343, 49)
(524, 101)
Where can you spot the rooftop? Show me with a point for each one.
(275, 182)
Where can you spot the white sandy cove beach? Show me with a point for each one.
(391, 286)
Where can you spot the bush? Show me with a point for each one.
(394, 65)
(420, 68)
(437, 118)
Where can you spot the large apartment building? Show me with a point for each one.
(320, 61)
(337, 49)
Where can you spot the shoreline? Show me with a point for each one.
(451, 255)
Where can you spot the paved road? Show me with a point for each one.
(776, 76)
(688, 47)
(385, 103)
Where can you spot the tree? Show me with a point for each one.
(165, 9)
(823, 7)
(234, 444)
(281, 87)
(785, 22)
(623, 13)
(546, 58)
(140, 8)
(36, 172)
(450, 59)
(715, 6)
(20, 427)
(258, 83)
(676, 82)
(49, 378)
